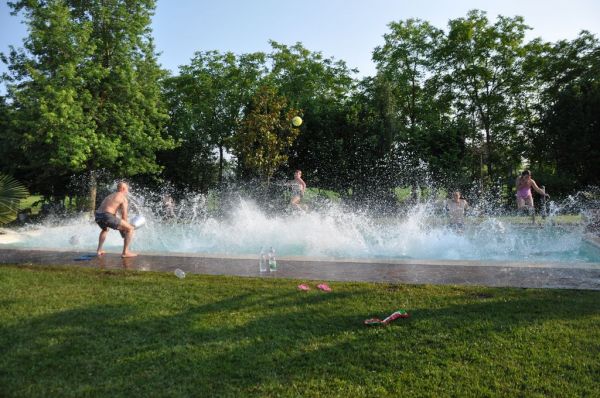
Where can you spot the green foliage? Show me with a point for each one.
(74, 332)
(564, 142)
(572, 134)
(206, 102)
(321, 88)
(209, 100)
(307, 78)
(11, 192)
(405, 62)
(414, 103)
(85, 90)
(266, 133)
(482, 64)
(472, 103)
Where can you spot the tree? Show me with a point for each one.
(564, 138)
(406, 61)
(409, 96)
(482, 65)
(8, 150)
(367, 150)
(206, 103)
(266, 133)
(320, 89)
(573, 133)
(86, 90)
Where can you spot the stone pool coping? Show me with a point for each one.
(562, 275)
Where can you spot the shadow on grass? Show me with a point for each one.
(272, 343)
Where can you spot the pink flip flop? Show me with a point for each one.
(324, 287)
(303, 287)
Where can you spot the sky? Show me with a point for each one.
(346, 30)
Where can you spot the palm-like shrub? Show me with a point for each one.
(11, 191)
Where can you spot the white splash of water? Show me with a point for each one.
(332, 231)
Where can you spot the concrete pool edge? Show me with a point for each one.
(383, 260)
(450, 272)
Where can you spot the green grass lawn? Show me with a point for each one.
(71, 332)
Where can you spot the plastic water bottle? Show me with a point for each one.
(262, 261)
(272, 260)
(179, 273)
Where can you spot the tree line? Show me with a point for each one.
(469, 106)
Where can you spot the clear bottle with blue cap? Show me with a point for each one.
(272, 260)
(262, 261)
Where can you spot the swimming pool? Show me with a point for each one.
(333, 234)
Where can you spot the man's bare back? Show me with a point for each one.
(113, 203)
(106, 218)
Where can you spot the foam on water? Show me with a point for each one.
(332, 231)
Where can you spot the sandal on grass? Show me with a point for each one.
(395, 315)
(324, 287)
(303, 287)
(373, 322)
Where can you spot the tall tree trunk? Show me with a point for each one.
(488, 142)
(93, 191)
(220, 163)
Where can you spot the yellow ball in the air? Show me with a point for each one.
(297, 121)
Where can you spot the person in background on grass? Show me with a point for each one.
(106, 217)
(524, 184)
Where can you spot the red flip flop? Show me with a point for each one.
(395, 315)
(324, 287)
(303, 287)
(373, 322)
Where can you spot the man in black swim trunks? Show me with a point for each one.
(106, 217)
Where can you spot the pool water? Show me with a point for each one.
(333, 233)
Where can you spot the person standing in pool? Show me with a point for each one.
(456, 211)
(524, 184)
(106, 217)
(168, 207)
(298, 188)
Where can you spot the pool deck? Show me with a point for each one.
(562, 275)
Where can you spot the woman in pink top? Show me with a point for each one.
(524, 185)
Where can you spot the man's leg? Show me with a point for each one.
(126, 243)
(101, 240)
(128, 230)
